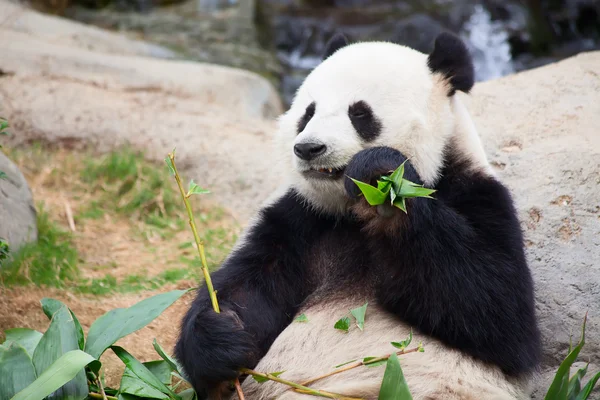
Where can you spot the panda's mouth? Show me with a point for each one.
(325, 173)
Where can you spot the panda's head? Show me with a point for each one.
(372, 94)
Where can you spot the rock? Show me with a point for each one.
(540, 130)
(218, 118)
(17, 212)
(61, 31)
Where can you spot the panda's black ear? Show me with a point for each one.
(335, 43)
(450, 57)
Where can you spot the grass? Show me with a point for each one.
(131, 231)
(51, 261)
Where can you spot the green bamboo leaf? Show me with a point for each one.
(373, 195)
(575, 382)
(133, 385)
(262, 379)
(301, 318)
(120, 322)
(139, 372)
(403, 344)
(397, 176)
(359, 314)
(50, 306)
(170, 165)
(193, 188)
(63, 370)
(28, 338)
(170, 361)
(560, 385)
(16, 369)
(3, 126)
(343, 324)
(2, 174)
(400, 203)
(393, 386)
(588, 388)
(384, 185)
(392, 195)
(346, 363)
(368, 361)
(60, 338)
(410, 189)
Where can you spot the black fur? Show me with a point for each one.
(455, 269)
(364, 121)
(450, 57)
(335, 43)
(308, 114)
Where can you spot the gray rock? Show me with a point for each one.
(17, 213)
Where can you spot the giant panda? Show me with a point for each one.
(452, 269)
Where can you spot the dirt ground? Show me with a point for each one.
(125, 244)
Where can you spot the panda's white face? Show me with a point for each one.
(365, 94)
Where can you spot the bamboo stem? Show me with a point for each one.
(357, 364)
(238, 389)
(100, 397)
(298, 387)
(199, 242)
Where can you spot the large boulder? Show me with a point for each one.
(17, 212)
(540, 130)
(220, 119)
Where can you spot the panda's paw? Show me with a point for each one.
(213, 348)
(371, 164)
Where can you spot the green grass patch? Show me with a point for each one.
(51, 261)
(125, 182)
(133, 283)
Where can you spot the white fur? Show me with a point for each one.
(308, 350)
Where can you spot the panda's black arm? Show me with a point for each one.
(259, 288)
(455, 267)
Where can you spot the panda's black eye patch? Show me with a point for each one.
(364, 120)
(308, 114)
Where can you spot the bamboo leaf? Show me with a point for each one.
(170, 361)
(343, 324)
(394, 386)
(301, 318)
(16, 369)
(50, 306)
(193, 188)
(560, 385)
(373, 195)
(139, 372)
(397, 176)
(120, 322)
(400, 203)
(28, 338)
(588, 388)
(63, 370)
(262, 379)
(346, 363)
(359, 314)
(170, 165)
(575, 382)
(60, 338)
(368, 361)
(403, 344)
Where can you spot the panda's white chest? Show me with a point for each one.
(305, 350)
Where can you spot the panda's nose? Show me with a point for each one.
(309, 151)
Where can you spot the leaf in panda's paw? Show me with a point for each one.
(410, 189)
(343, 324)
(262, 379)
(392, 195)
(400, 203)
(301, 318)
(384, 185)
(397, 176)
(359, 313)
(403, 343)
(373, 195)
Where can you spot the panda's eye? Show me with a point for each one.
(308, 114)
(364, 120)
(360, 110)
